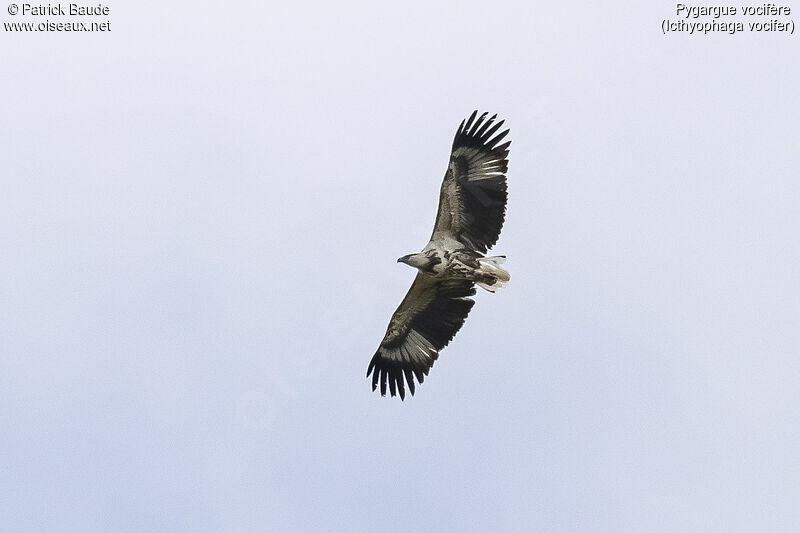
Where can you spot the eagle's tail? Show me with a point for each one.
(490, 276)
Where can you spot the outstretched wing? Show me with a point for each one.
(472, 201)
(426, 320)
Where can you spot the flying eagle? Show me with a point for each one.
(472, 206)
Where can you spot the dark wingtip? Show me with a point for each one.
(471, 119)
(409, 379)
(480, 132)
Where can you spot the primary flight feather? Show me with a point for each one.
(472, 206)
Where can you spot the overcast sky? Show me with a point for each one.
(200, 216)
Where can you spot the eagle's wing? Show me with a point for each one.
(426, 320)
(472, 201)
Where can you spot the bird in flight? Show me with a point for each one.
(472, 206)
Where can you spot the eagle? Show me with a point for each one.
(472, 207)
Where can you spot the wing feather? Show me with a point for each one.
(425, 322)
(472, 200)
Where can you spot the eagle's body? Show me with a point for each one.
(462, 264)
(471, 212)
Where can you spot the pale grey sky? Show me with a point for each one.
(200, 214)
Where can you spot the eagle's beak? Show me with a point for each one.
(403, 259)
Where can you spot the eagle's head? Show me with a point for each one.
(416, 260)
(405, 259)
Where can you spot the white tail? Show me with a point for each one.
(493, 276)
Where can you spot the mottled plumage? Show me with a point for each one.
(472, 205)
